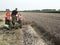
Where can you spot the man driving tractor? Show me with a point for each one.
(16, 19)
(13, 15)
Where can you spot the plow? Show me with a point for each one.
(10, 27)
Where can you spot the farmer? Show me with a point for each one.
(19, 19)
(7, 18)
(13, 15)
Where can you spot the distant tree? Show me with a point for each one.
(48, 10)
(36, 10)
(7, 9)
(58, 9)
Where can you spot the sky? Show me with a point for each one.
(29, 4)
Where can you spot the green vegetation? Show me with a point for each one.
(41, 11)
(44, 11)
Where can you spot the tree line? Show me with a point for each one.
(41, 11)
(44, 11)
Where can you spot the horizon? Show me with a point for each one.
(31, 9)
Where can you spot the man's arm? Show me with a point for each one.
(16, 12)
